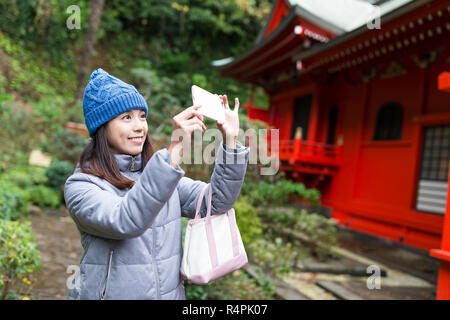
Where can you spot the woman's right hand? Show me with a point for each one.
(184, 124)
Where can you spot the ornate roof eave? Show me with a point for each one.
(231, 62)
(323, 47)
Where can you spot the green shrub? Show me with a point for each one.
(275, 255)
(19, 257)
(195, 292)
(25, 176)
(240, 286)
(317, 228)
(250, 225)
(263, 194)
(63, 144)
(44, 196)
(57, 173)
(281, 216)
(15, 119)
(50, 112)
(14, 201)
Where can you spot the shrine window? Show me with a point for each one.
(433, 179)
(389, 122)
(332, 125)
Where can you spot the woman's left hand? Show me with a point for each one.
(230, 127)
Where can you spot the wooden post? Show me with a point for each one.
(297, 145)
(443, 288)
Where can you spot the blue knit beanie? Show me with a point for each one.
(106, 97)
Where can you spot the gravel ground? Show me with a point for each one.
(60, 247)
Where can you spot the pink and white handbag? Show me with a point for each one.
(212, 245)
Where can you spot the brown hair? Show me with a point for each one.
(102, 163)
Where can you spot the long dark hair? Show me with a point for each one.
(102, 163)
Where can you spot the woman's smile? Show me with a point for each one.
(137, 140)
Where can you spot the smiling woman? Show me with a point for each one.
(127, 132)
(115, 113)
(127, 201)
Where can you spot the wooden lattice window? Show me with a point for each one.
(433, 180)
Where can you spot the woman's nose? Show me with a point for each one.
(138, 124)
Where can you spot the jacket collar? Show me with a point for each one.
(127, 162)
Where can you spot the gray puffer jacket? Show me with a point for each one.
(132, 238)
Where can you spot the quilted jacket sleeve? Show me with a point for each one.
(104, 214)
(226, 181)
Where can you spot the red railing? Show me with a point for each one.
(309, 151)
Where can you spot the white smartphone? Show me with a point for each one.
(211, 106)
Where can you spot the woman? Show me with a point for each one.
(127, 201)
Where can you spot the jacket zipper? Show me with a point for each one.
(154, 264)
(103, 294)
(132, 162)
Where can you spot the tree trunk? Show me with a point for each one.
(94, 18)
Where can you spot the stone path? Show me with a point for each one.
(60, 247)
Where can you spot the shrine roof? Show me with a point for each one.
(343, 18)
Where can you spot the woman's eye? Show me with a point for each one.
(129, 117)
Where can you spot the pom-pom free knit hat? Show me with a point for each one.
(106, 97)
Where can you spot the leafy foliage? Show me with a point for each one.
(24, 185)
(265, 194)
(250, 225)
(275, 256)
(64, 145)
(14, 201)
(19, 256)
(44, 196)
(317, 228)
(25, 176)
(57, 173)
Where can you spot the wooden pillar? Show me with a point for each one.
(297, 145)
(443, 288)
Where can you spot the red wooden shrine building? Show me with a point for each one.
(358, 108)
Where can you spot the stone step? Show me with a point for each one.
(342, 266)
(282, 289)
(338, 290)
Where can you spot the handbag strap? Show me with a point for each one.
(208, 226)
(199, 202)
(209, 230)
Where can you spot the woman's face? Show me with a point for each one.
(127, 132)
